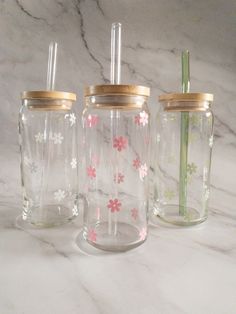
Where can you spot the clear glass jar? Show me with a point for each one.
(116, 141)
(183, 158)
(48, 143)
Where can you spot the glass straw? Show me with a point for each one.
(51, 75)
(115, 53)
(52, 65)
(115, 114)
(184, 138)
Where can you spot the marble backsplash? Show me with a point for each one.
(154, 33)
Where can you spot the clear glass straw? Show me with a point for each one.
(52, 65)
(184, 138)
(51, 75)
(115, 53)
(115, 114)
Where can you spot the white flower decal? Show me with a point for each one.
(59, 195)
(73, 163)
(31, 164)
(211, 141)
(72, 119)
(39, 137)
(143, 171)
(33, 167)
(75, 210)
(143, 118)
(57, 138)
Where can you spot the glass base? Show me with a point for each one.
(171, 214)
(49, 216)
(126, 237)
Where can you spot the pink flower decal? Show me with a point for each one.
(114, 205)
(118, 178)
(137, 120)
(92, 235)
(143, 171)
(91, 121)
(120, 143)
(143, 234)
(143, 118)
(91, 172)
(136, 163)
(134, 213)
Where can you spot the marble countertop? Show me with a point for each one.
(53, 271)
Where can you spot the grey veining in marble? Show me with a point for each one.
(177, 270)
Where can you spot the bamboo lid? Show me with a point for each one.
(117, 90)
(186, 97)
(43, 94)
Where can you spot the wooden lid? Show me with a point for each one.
(44, 94)
(186, 97)
(117, 90)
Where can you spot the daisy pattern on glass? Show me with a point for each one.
(57, 138)
(91, 121)
(137, 120)
(33, 167)
(134, 213)
(59, 195)
(92, 235)
(191, 168)
(136, 163)
(143, 118)
(143, 171)
(73, 163)
(72, 119)
(120, 143)
(114, 205)
(118, 178)
(91, 172)
(39, 137)
(143, 234)
(75, 210)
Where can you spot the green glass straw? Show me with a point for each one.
(184, 138)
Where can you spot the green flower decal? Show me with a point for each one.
(191, 168)
(194, 120)
(169, 194)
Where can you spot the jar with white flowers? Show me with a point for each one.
(49, 162)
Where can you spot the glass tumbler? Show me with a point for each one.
(184, 142)
(48, 144)
(116, 146)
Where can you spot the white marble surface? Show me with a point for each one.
(177, 270)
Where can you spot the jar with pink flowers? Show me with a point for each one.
(116, 147)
